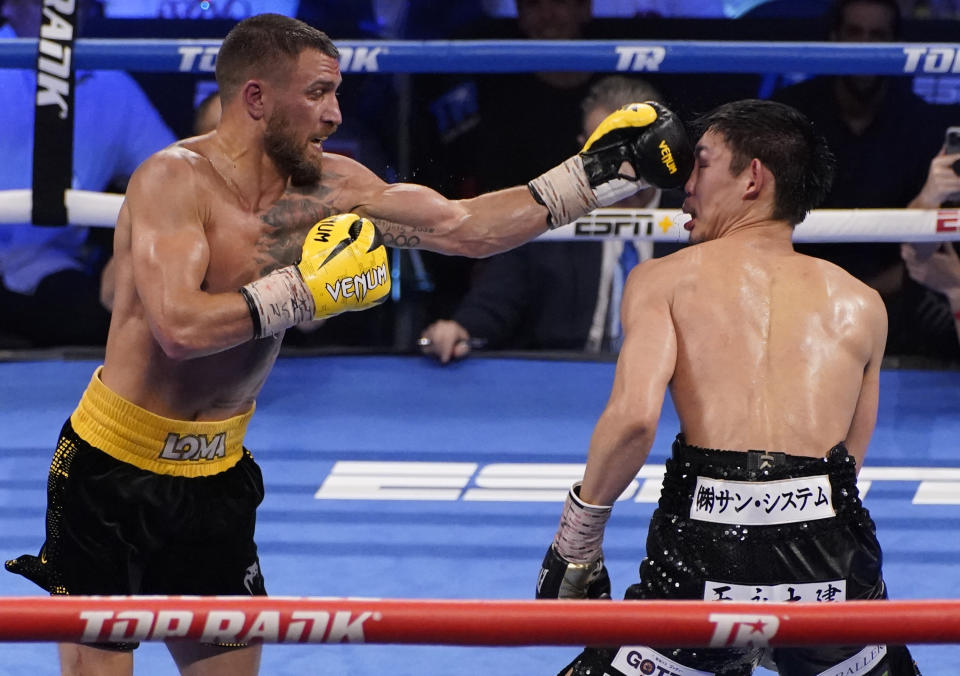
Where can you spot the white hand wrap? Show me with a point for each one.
(278, 301)
(566, 192)
(580, 535)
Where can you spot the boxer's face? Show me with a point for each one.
(713, 193)
(304, 113)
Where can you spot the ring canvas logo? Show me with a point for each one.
(550, 482)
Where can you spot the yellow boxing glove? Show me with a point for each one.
(343, 267)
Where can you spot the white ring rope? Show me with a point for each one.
(84, 207)
(90, 208)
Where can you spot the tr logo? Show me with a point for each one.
(640, 58)
(742, 630)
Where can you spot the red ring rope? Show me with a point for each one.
(477, 622)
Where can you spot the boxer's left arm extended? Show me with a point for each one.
(643, 144)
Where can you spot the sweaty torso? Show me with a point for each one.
(245, 243)
(772, 347)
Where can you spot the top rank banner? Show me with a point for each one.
(518, 56)
(53, 113)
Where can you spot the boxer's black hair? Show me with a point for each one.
(785, 141)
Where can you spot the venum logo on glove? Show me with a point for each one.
(358, 285)
(321, 232)
(667, 157)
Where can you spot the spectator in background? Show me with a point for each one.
(560, 295)
(489, 131)
(883, 136)
(207, 114)
(936, 266)
(50, 275)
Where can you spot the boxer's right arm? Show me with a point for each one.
(625, 431)
(169, 256)
(342, 267)
(874, 322)
(573, 566)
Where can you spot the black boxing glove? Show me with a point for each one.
(562, 579)
(640, 145)
(573, 566)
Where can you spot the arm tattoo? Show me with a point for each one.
(398, 235)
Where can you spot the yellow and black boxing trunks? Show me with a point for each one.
(142, 504)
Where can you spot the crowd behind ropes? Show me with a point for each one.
(464, 134)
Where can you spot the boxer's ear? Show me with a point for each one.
(756, 176)
(252, 94)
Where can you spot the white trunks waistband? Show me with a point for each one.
(762, 503)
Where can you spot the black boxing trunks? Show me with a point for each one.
(756, 526)
(141, 504)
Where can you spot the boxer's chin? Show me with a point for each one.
(303, 162)
(307, 173)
